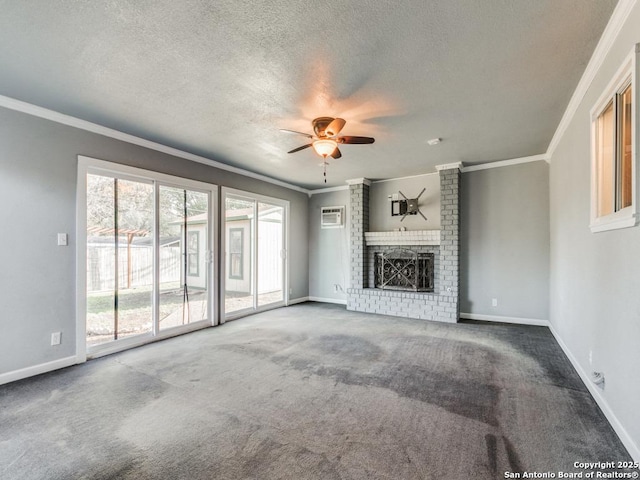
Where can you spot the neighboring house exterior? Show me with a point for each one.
(239, 227)
(135, 255)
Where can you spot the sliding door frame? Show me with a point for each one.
(257, 198)
(88, 165)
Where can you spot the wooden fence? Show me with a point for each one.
(138, 273)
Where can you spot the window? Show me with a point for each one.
(193, 244)
(613, 202)
(236, 246)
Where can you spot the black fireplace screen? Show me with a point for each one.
(404, 269)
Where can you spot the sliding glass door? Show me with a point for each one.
(119, 267)
(184, 227)
(254, 252)
(239, 256)
(270, 259)
(149, 256)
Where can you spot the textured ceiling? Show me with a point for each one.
(492, 78)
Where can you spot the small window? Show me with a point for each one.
(193, 244)
(236, 247)
(613, 172)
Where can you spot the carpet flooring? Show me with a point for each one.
(311, 392)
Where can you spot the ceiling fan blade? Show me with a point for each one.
(356, 140)
(336, 153)
(334, 127)
(300, 148)
(297, 133)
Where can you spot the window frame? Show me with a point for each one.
(627, 216)
(191, 254)
(240, 276)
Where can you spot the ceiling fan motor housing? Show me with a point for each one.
(320, 124)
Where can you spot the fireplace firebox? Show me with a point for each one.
(405, 270)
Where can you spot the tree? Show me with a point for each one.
(136, 205)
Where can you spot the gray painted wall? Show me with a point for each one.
(505, 241)
(328, 249)
(595, 277)
(380, 219)
(38, 171)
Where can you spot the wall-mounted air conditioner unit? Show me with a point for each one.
(332, 217)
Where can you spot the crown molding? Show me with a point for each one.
(505, 163)
(358, 181)
(618, 18)
(52, 115)
(449, 166)
(405, 178)
(328, 189)
(471, 168)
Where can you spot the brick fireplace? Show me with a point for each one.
(442, 304)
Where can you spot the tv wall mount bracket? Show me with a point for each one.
(407, 206)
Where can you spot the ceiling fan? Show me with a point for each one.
(326, 140)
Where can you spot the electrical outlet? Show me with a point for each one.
(56, 338)
(590, 357)
(494, 302)
(598, 379)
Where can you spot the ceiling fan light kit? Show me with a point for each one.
(334, 127)
(325, 147)
(326, 139)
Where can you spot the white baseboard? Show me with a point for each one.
(298, 300)
(596, 393)
(502, 319)
(328, 300)
(37, 369)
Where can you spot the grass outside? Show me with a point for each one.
(135, 311)
(131, 299)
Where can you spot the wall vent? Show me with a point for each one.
(332, 217)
